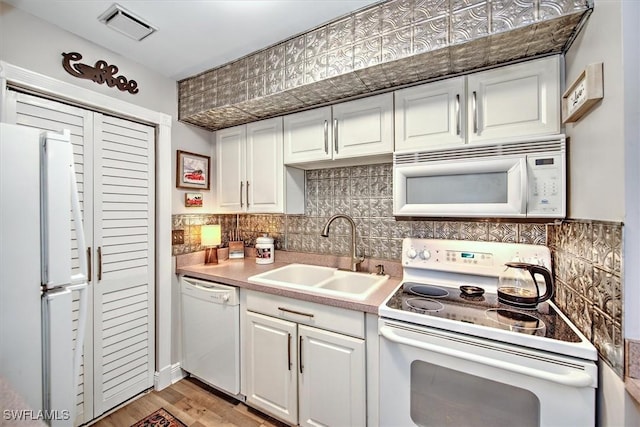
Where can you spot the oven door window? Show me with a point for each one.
(444, 397)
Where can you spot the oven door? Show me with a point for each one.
(469, 188)
(430, 377)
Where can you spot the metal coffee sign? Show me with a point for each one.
(100, 73)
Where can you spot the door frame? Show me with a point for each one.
(16, 76)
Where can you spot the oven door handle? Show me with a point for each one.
(573, 379)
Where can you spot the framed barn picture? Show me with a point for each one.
(192, 170)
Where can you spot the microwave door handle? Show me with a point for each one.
(475, 112)
(458, 111)
(524, 186)
(573, 379)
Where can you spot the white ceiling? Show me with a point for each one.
(193, 35)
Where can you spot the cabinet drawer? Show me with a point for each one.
(321, 316)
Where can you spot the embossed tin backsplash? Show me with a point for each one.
(390, 44)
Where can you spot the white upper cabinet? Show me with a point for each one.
(363, 127)
(250, 173)
(308, 136)
(264, 166)
(359, 128)
(514, 101)
(230, 168)
(430, 115)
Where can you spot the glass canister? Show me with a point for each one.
(264, 250)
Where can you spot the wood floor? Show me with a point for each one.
(193, 403)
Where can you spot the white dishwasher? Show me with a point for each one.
(211, 333)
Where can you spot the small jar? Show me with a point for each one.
(264, 250)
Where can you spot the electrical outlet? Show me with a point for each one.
(177, 237)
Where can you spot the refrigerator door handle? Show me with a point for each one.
(57, 187)
(59, 380)
(62, 155)
(83, 276)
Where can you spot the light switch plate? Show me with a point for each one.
(177, 237)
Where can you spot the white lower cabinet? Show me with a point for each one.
(299, 373)
(271, 375)
(331, 381)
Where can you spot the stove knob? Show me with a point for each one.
(425, 254)
(412, 254)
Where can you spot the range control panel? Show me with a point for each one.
(463, 256)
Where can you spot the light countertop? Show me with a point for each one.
(236, 272)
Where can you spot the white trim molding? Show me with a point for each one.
(35, 82)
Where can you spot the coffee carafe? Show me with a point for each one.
(517, 285)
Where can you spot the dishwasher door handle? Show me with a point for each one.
(209, 288)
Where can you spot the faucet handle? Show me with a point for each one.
(380, 271)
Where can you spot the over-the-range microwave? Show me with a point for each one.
(501, 180)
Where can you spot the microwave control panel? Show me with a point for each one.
(546, 174)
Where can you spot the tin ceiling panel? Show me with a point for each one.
(390, 44)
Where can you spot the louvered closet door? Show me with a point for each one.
(114, 162)
(124, 230)
(27, 110)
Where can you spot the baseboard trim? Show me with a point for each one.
(162, 378)
(177, 373)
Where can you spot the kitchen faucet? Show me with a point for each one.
(356, 261)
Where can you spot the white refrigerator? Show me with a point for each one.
(39, 196)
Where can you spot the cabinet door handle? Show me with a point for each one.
(89, 273)
(335, 135)
(299, 313)
(99, 263)
(247, 190)
(300, 354)
(326, 136)
(458, 118)
(241, 186)
(289, 351)
(475, 112)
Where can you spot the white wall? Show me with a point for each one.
(596, 151)
(204, 146)
(603, 164)
(29, 42)
(32, 44)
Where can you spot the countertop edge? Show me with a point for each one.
(237, 272)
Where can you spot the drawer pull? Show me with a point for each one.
(299, 313)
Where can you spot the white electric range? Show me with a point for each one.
(452, 354)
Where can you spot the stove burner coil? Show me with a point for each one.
(515, 320)
(424, 305)
(428, 291)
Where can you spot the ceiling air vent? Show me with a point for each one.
(125, 22)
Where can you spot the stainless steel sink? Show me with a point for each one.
(322, 280)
